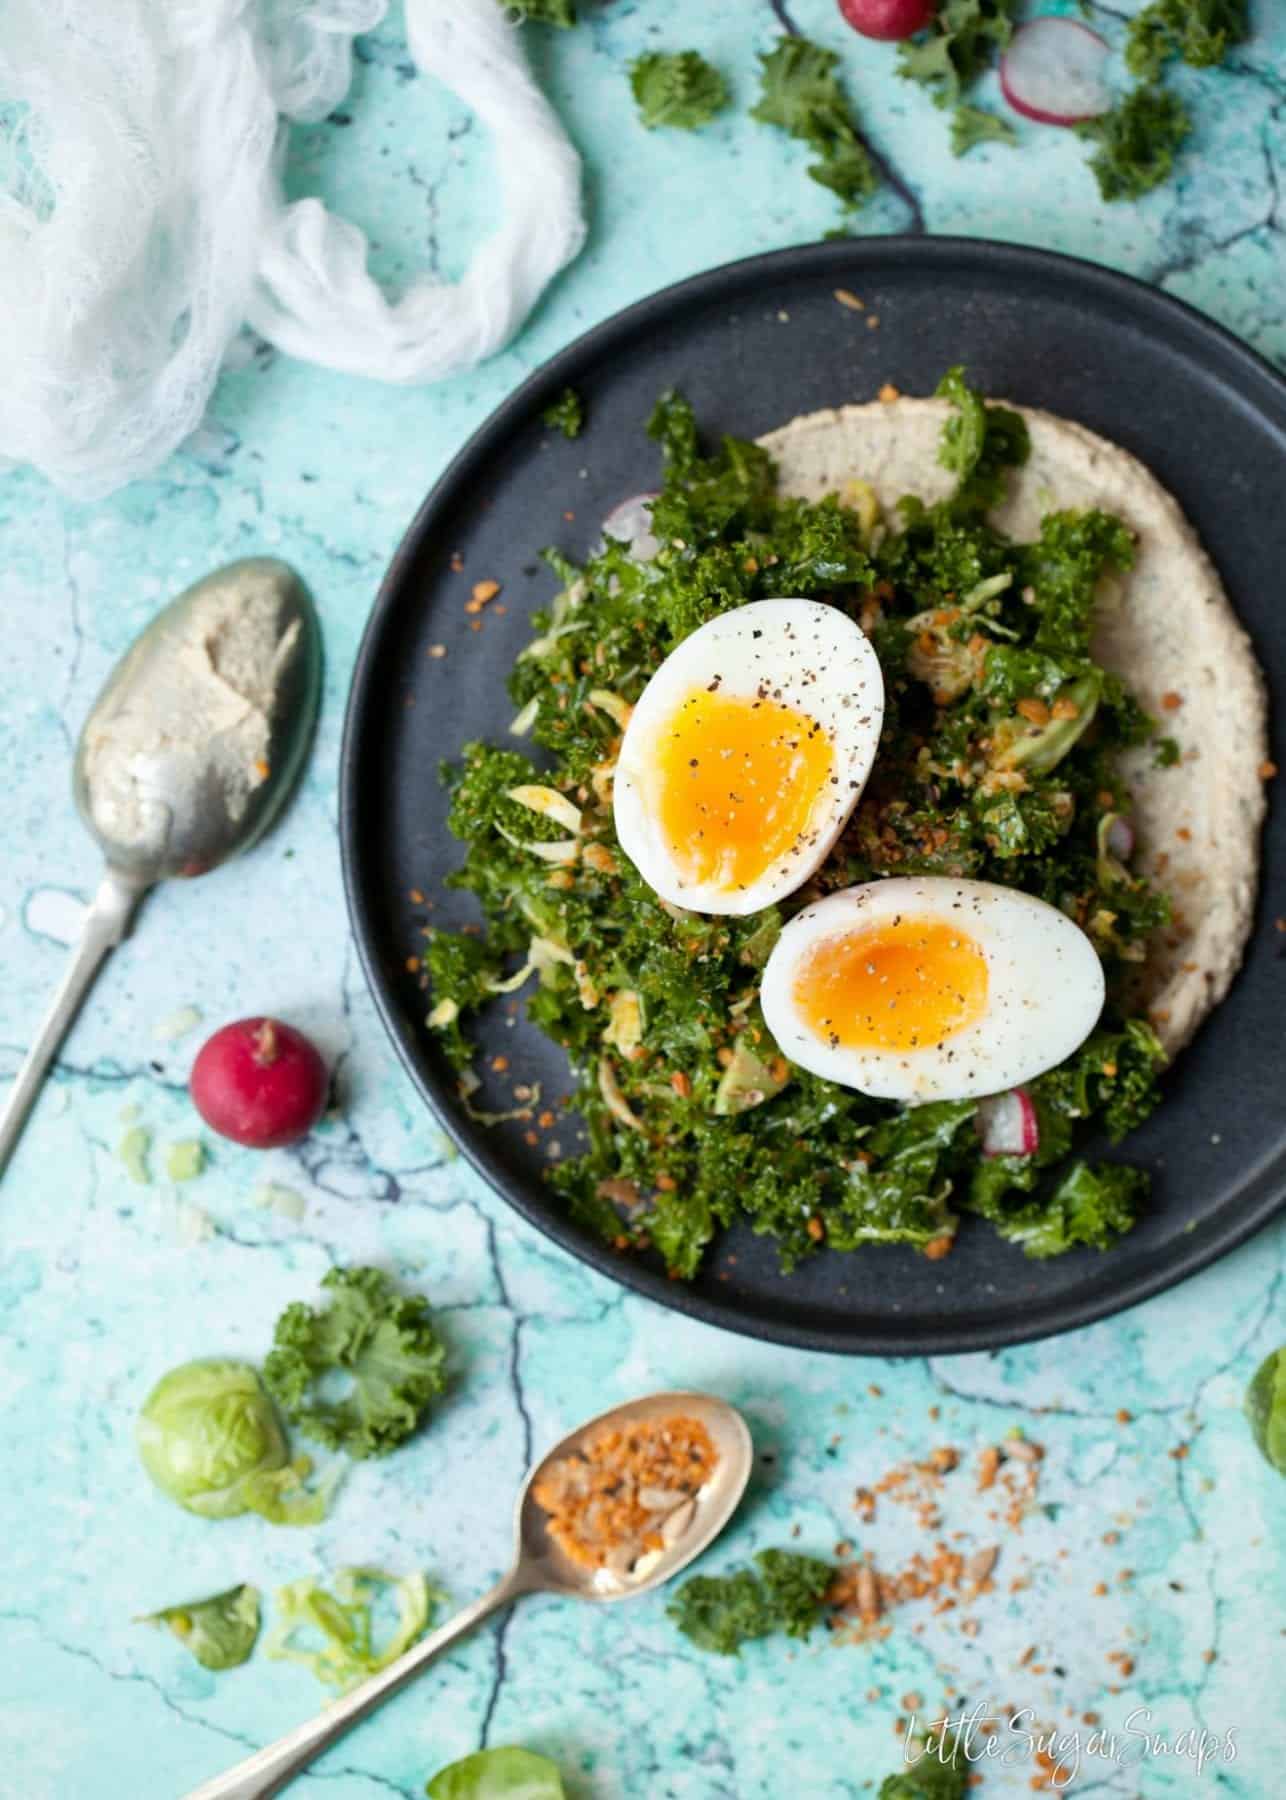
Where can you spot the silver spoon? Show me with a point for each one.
(539, 1567)
(191, 749)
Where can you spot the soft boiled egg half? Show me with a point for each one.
(746, 754)
(931, 989)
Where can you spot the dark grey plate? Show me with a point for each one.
(752, 345)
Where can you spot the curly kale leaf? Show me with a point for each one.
(932, 1776)
(707, 497)
(720, 1613)
(677, 88)
(957, 47)
(382, 1341)
(980, 443)
(796, 1588)
(971, 125)
(219, 1631)
(1113, 1076)
(801, 94)
(897, 1189)
(463, 972)
(1137, 142)
(567, 414)
(1089, 1206)
(1200, 31)
(1063, 568)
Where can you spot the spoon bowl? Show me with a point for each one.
(539, 1566)
(554, 1572)
(198, 734)
(191, 750)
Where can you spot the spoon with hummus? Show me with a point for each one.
(189, 753)
(621, 1505)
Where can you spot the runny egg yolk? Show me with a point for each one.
(734, 785)
(901, 985)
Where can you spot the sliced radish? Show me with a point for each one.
(888, 20)
(1008, 1125)
(1120, 837)
(1053, 72)
(630, 523)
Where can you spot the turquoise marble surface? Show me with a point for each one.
(104, 1283)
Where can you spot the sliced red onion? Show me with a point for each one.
(1053, 72)
(1008, 1125)
(631, 523)
(1120, 838)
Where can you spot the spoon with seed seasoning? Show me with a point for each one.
(708, 1443)
(191, 749)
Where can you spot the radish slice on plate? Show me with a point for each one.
(630, 523)
(1120, 837)
(1008, 1125)
(1053, 72)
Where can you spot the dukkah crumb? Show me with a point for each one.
(481, 592)
(629, 1490)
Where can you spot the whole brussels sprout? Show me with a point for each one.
(209, 1438)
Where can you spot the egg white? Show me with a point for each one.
(808, 656)
(1044, 989)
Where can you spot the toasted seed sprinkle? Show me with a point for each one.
(850, 300)
(607, 1502)
(981, 1563)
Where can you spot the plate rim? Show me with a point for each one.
(1263, 1194)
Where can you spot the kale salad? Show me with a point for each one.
(996, 763)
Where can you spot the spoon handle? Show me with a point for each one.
(269, 1770)
(106, 923)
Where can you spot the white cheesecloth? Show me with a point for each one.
(142, 219)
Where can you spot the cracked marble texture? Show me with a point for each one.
(104, 1283)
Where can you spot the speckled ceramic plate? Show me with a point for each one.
(752, 345)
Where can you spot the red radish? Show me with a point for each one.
(888, 20)
(260, 1083)
(1053, 72)
(1008, 1125)
(630, 522)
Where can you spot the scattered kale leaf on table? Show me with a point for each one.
(801, 94)
(1137, 142)
(678, 88)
